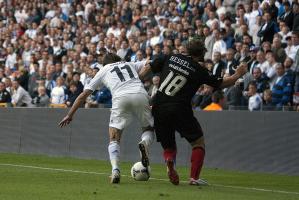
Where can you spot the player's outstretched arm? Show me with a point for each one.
(79, 101)
(230, 80)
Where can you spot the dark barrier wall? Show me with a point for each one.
(237, 140)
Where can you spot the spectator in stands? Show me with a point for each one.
(4, 94)
(122, 52)
(11, 59)
(270, 69)
(23, 78)
(278, 51)
(8, 85)
(219, 45)
(284, 32)
(156, 81)
(273, 10)
(76, 80)
(58, 93)
(219, 66)
(218, 101)
(267, 100)
(282, 88)
(33, 77)
(104, 98)
(73, 93)
(58, 71)
(288, 63)
(203, 97)
(238, 47)
(58, 35)
(233, 95)
(266, 46)
(209, 42)
(49, 83)
(244, 56)
(255, 100)
(268, 29)
(231, 63)
(295, 57)
(296, 16)
(295, 45)
(149, 53)
(253, 59)
(2, 74)
(139, 56)
(254, 30)
(20, 97)
(42, 99)
(261, 82)
(288, 16)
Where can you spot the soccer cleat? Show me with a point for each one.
(172, 174)
(144, 153)
(198, 182)
(115, 176)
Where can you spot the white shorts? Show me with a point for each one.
(125, 107)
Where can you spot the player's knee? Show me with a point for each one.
(114, 134)
(148, 128)
(169, 145)
(200, 142)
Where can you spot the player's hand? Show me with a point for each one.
(242, 69)
(147, 61)
(65, 121)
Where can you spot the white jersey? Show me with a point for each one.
(120, 78)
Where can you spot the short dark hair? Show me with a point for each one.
(76, 73)
(217, 96)
(73, 83)
(253, 83)
(286, 3)
(111, 58)
(296, 32)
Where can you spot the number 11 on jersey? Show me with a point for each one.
(173, 84)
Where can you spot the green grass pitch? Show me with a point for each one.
(32, 177)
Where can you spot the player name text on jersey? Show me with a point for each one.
(179, 69)
(179, 61)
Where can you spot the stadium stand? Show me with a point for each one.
(43, 40)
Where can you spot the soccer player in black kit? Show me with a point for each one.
(181, 76)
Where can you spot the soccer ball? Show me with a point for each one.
(139, 172)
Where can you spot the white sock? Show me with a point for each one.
(148, 137)
(114, 154)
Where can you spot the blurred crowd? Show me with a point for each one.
(50, 49)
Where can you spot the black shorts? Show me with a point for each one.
(170, 118)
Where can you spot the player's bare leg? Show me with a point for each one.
(147, 139)
(114, 153)
(197, 158)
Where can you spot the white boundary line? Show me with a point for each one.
(158, 179)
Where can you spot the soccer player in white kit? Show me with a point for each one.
(129, 98)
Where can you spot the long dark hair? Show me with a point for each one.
(196, 48)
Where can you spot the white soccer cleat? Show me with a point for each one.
(144, 153)
(198, 182)
(115, 176)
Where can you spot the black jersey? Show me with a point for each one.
(180, 79)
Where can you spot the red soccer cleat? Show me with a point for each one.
(172, 174)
